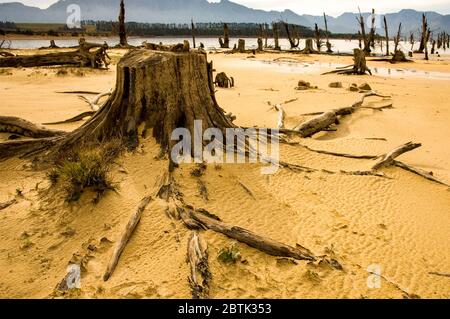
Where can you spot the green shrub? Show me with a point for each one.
(230, 254)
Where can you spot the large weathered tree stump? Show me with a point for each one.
(156, 91)
(241, 46)
(309, 48)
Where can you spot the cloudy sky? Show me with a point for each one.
(332, 7)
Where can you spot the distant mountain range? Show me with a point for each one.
(181, 11)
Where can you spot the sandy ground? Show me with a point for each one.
(400, 224)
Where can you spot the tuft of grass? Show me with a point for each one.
(19, 192)
(53, 176)
(87, 170)
(230, 254)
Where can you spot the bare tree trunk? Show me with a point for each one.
(372, 31)
(317, 37)
(327, 34)
(241, 46)
(225, 41)
(364, 37)
(423, 34)
(426, 39)
(387, 35)
(276, 35)
(292, 34)
(122, 31)
(193, 33)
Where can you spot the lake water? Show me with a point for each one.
(339, 46)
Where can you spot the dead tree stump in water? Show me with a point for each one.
(309, 48)
(359, 65)
(276, 36)
(260, 44)
(241, 46)
(225, 41)
(157, 92)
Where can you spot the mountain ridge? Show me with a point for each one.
(181, 11)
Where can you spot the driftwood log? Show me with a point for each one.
(125, 237)
(202, 219)
(82, 57)
(326, 119)
(15, 125)
(200, 274)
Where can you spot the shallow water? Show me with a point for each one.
(339, 46)
(308, 67)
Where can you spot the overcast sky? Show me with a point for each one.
(332, 7)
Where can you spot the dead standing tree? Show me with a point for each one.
(327, 34)
(225, 40)
(122, 30)
(363, 35)
(387, 35)
(372, 30)
(399, 56)
(293, 35)
(276, 35)
(423, 34)
(193, 33)
(317, 38)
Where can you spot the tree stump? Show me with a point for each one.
(156, 92)
(225, 41)
(223, 81)
(260, 44)
(359, 65)
(241, 46)
(309, 48)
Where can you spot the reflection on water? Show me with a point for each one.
(308, 67)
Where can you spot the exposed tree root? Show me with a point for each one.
(420, 172)
(198, 261)
(74, 119)
(7, 204)
(388, 158)
(125, 237)
(15, 125)
(94, 103)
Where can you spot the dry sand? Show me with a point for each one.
(401, 223)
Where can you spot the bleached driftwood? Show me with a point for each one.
(326, 119)
(7, 204)
(388, 158)
(94, 103)
(125, 237)
(198, 261)
(206, 220)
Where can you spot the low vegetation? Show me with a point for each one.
(85, 171)
(230, 254)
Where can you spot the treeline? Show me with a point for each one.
(102, 28)
(173, 29)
